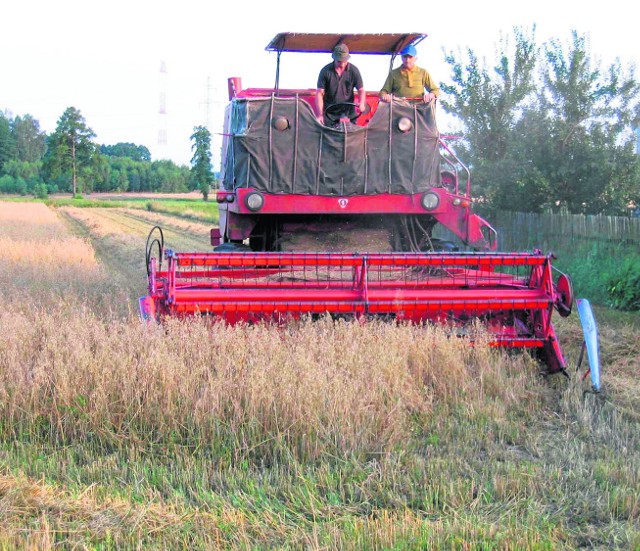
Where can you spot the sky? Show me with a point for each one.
(105, 58)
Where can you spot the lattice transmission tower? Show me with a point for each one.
(209, 102)
(162, 106)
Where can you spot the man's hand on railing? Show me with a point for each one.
(428, 96)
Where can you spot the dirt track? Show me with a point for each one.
(118, 237)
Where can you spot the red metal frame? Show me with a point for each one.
(513, 294)
(453, 211)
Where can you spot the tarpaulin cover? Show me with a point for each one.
(310, 158)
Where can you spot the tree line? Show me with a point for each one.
(542, 128)
(547, 128)
(68, 160)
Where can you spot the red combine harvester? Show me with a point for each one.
(339, 220)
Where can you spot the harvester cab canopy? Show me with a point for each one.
(390, 44)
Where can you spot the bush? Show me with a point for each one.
(40, 191)
(623, 285)
(583, 262)
(9, 184)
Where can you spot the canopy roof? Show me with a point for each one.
(386, 43)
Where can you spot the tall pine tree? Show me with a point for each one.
(201, 173)
(70, 147)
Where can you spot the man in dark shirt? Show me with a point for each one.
(336, 83)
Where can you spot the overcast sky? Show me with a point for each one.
(105, 59)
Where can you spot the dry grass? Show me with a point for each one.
(35, 219)
(317, 389)
(31, 234)
(51, 511)
(127, 230)
(325, 435)
(119, 236)
(41, 262)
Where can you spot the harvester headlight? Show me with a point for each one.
(405, 125)
(430, 200)
(457, 201)
(281, 123)
(254, 201)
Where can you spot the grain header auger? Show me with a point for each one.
(338, 219)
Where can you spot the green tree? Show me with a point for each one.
(591, 111)
(70, 149)
(488, 101)
(29, 139)
(167, 177)
(9, 184)
(7, 141)
(201, 170)
(27, 173)
(548, 131)
(130, 150)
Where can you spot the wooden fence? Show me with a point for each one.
(548, 231)
(551, 232)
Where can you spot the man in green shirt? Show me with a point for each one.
(409, 80)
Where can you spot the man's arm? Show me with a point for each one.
(320, 105)
(363, 99)
(359, 86)
(385, 93)
(432, 87)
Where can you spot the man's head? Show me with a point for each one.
(409, 55)
(341, 53)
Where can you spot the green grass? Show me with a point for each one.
(592, 265)
(188, 208)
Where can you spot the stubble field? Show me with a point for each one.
(325, 435)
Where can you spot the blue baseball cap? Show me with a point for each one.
(409, 50)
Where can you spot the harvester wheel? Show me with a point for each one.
(151, 243)
(565, 288)
(230, 247)
(442, 245)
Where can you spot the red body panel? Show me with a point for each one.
(237, 220)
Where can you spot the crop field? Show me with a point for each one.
(116, 434)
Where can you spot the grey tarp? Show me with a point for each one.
(309, 158)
